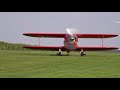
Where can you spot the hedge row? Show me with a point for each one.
(11, 46)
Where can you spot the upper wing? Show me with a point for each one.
(53, 48)
(95, 48)
(61, 35)
(54, 35)
(96, 35)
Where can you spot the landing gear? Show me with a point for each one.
(68, 52)
(60, 52)
(82, 53)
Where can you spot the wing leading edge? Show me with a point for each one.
(96, 35)
(96, 48)
(62, 35)
(53, 35)
(53, 48)
(56, 48)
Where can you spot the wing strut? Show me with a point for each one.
(102, 40)
(39, 41)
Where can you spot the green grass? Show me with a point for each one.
(45, 64)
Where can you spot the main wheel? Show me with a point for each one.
(59, 53)
(82, 54)
(68, 53)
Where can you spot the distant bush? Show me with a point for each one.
(11, 46)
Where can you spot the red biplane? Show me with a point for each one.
(71, 42)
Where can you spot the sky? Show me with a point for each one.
(14, 24)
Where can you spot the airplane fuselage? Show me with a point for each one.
(70, 42)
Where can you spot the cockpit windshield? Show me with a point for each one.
(72, 38)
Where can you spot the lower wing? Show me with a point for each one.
(56, 48)
(53, 48)
(96, 48)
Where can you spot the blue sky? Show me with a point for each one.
(14, 24)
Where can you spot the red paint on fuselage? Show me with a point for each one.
(70, 42)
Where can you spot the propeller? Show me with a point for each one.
(72, 31)
(116, 22)
(69, 31)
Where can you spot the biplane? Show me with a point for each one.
(70, 42)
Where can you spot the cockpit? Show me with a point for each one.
(72, 38)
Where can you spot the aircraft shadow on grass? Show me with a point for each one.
(37, 54)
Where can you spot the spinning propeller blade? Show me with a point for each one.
(72, 31)
(117, 22)
(68, 31)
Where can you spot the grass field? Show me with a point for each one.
(45, 64)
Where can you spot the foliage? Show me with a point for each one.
(11, 46)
